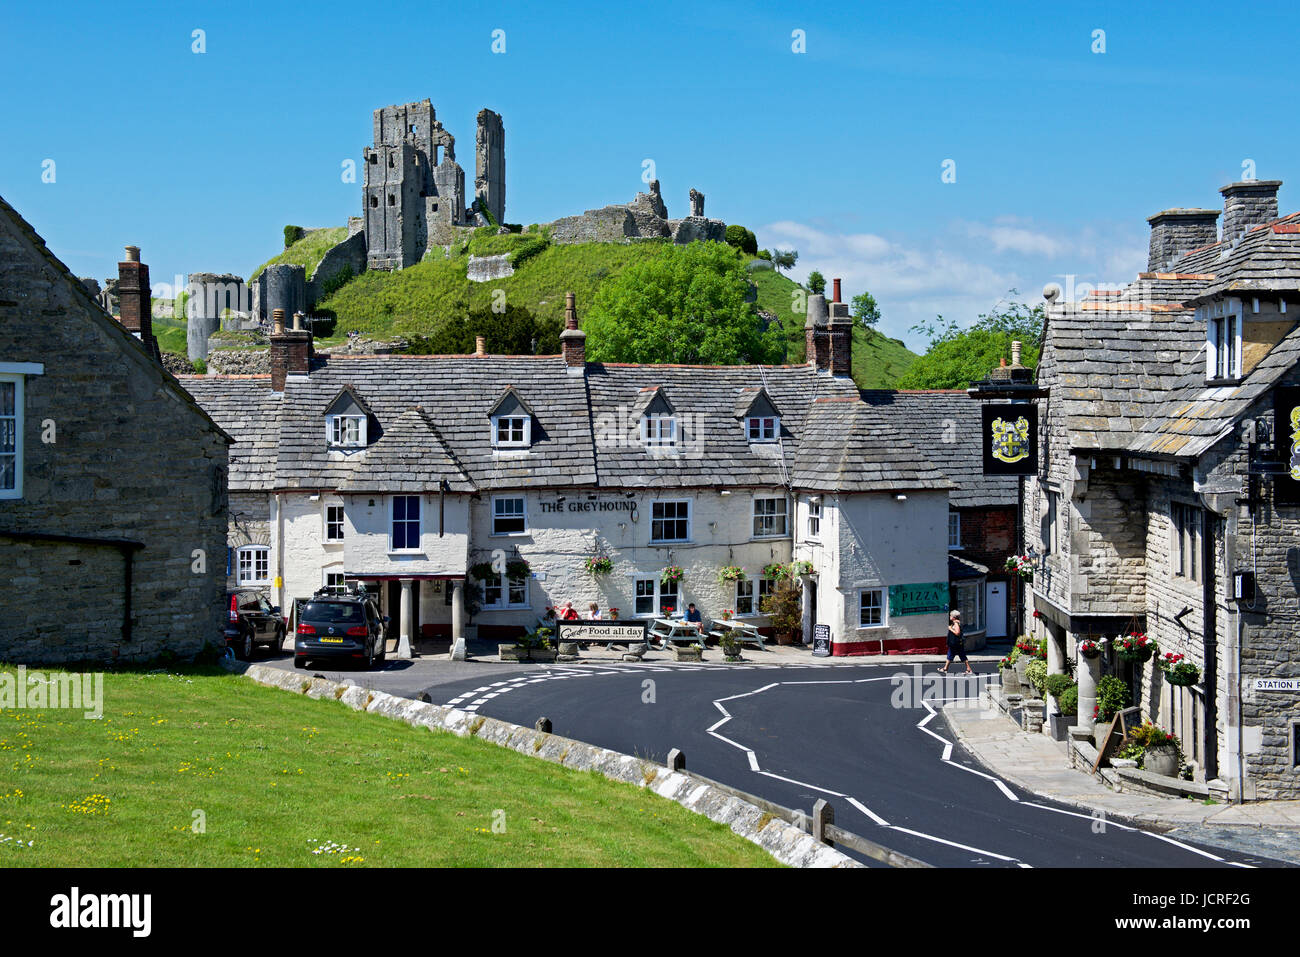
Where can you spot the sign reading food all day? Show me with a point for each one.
(920, 599)
(595, 631)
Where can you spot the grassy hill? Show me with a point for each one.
(413, 301)
(307, 251)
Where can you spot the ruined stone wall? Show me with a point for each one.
(128, 458)
(490, 165)
(347, 255)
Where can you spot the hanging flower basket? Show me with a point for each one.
(482, 571)
(518, 568)
(776, 571)
(1136, 648)
(598, 565)
(800, 569)
(673, 573)
(730, 573)
(1020, 565)
(1178, 670)
(1089, 648)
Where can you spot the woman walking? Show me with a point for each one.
(956, 643)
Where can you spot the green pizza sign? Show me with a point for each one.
(919, 599)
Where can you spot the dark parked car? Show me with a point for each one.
(251, 620)
(333, 624)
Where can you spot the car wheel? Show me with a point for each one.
(244, 651)
(370, 657)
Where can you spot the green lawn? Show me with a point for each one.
(278, 776)
(170, 334)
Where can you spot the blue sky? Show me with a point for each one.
(1060, 153)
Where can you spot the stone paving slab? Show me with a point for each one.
(1038, 764)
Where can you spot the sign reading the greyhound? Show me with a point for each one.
(595, 631)
(923, 599)
(1286, 432)
(1010, 439)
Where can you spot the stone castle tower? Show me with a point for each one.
(414, 190)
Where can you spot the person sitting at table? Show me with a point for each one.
(593, 612)
(568, 612)
(693, 616)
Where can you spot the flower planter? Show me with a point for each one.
(541, 654)
(1011, 681)
(1058, 726)
(512, 653)
(1161, 759)
(1021, 664)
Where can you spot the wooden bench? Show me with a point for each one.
(739, 630)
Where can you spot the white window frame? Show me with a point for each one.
(954, 529)
(884, 607)
(1186, 526)
(523, 513)
(330, 571)
(525, 430)
(338, 427)
(763, 428)
(689, 519)
(755, 596)
(18, 419)
(783, 514)
(1223, 335)
(659, 430)
(815, 520)
(659, 592)
(392, 526)
(252, 551)
(503, 583)
(341, 523)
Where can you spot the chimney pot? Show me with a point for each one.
(291, 350)
(480, 346)
(573, 341)
(277, 320)
(133, 254)
(1015, 352)
(835, 285)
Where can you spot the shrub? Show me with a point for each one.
(742, 239)
(1011, 658)
(200, 367)
(1057, 684)
(1037, 675)
(1068, 701)
(292, 234)
(1112, 696)
(336, 282)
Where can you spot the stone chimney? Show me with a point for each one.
(817, 334)
(135, 302)
(1247, 204)
(480, 346)
(290, 350)
(1178, 231)
(841, 334)
(573, 341)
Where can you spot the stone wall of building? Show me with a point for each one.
(346, 258)
(239, 362)
(249, 523)
(113, 448)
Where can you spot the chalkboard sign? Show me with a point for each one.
(821, 641)
(1124, 719)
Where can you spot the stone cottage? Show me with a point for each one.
(412, 474)
(1162, 503)
(112, 479)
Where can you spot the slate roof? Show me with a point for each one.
(940, 424)
(1127, 370)
(584, 432)
(881, 460)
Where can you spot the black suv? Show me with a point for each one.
(339, 624)
(251, 620)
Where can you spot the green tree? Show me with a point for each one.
(816, 283)
(957, 357)
(516, 331)
(784, 258)
(742, 239)
(865, 310)
(684, 305)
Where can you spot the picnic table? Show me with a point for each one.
(671, 630)
(741, 631)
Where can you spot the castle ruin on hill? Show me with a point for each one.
(413, 198)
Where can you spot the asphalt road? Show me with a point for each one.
(854, 735)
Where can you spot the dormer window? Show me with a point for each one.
(1223, 347)
(347, 431)
(763, 428)
(347, 421)
(511, 431)
(659, 430)
(511, 421)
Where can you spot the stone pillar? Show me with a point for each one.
(458, 650)
(807, 611)
(1088, 671)
(404, 623)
